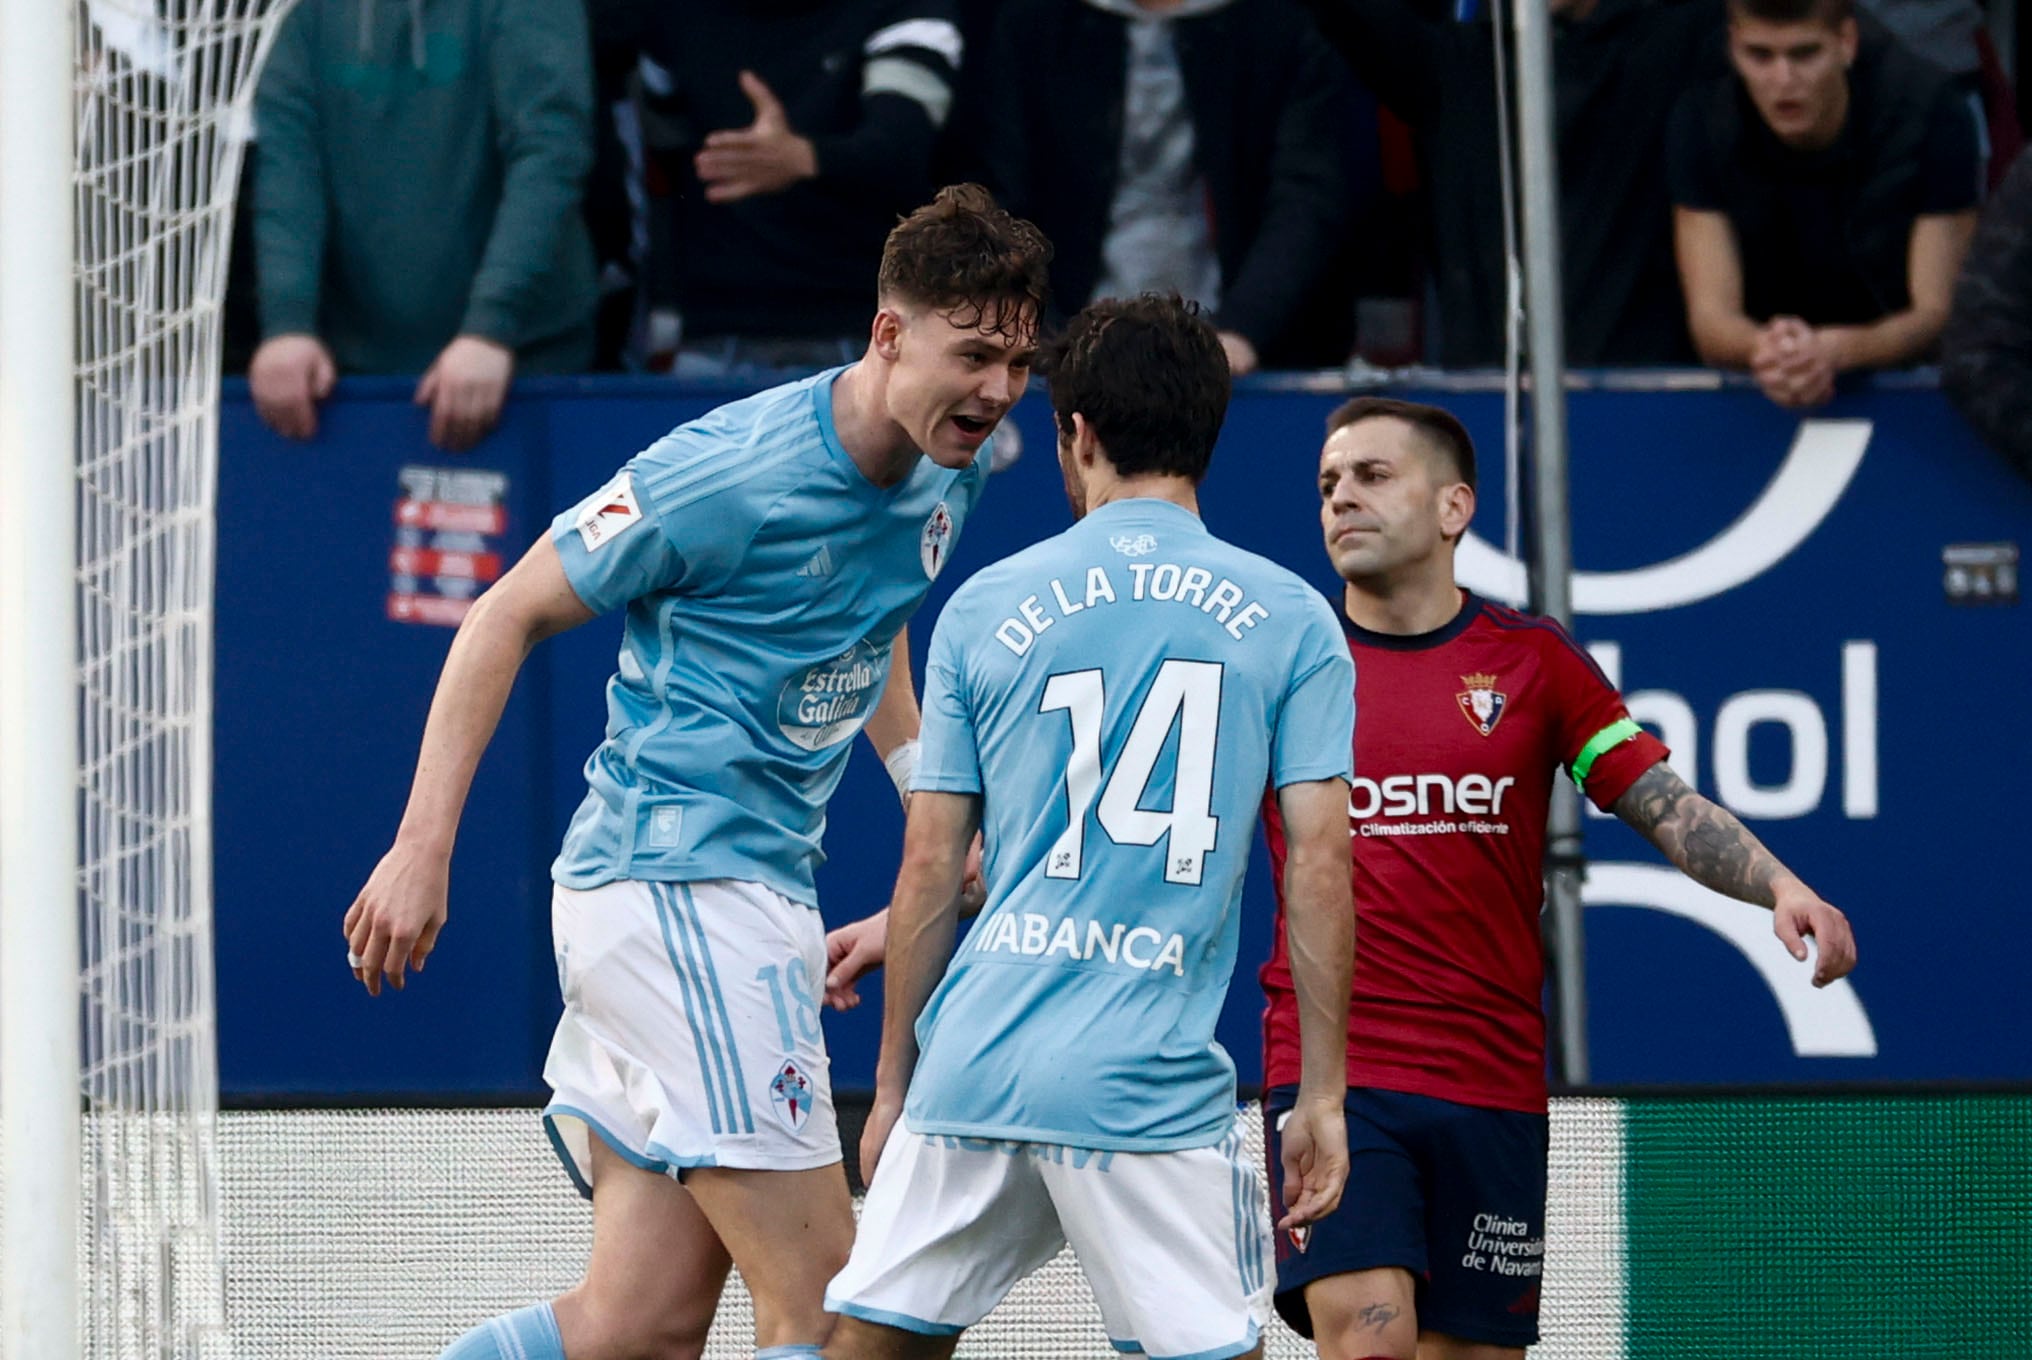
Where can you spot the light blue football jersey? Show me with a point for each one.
(764, 578)
(1120, 696)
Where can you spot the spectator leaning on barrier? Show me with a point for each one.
(1824, 194)
(1195, 146)
(1986, 350)
(417, 204)
(1618, 65)
(792, 134)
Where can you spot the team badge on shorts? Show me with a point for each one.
(935, 539)
(790, 1092)
(1481, 702)
(1301, 1237)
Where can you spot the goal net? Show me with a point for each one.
(161, 105)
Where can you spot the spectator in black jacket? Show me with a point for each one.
(790, 136)
(1200, 146)
(1986, 350)
(1824, 194)
(1617, 65)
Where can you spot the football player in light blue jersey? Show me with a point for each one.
(767, 557)
(1107, 707)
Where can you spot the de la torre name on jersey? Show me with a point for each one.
(1194, 587)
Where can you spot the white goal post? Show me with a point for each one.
(122, 128)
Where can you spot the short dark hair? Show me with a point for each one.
(1150, 376)
(1440, 429)
(1829, 12)
(963, 252)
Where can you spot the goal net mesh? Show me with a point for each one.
(162, 94)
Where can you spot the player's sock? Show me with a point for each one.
(527, 1334)
(788, 1353)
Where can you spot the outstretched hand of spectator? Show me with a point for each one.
(1792, 364)
(289, 376)
(1241, 354)
(766, 157)
(464, 389)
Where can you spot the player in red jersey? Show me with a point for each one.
(1466, 713)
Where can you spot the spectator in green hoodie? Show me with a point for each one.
(417, 194)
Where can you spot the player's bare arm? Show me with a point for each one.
(923, 919)
(1707, 843)
(896, 719)
(394, 922)
(857, 949)
(1319, 923)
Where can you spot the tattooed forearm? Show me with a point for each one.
(1376, 1316)
(1702, 838)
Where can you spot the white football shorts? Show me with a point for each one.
(690, 1034)
(1176, 1245)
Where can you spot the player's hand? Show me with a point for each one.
(765, 157)
(852, 952)
(464, 389)
(1801, 912)
(883, 1117)
(1315, 1161)
(973, 882)
(289, 376)
(393, 923)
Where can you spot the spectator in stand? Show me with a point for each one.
(790, 136)
(1986, 350)
(1195, 146)
(417, 204)
(1824, 194)
(1618, 65)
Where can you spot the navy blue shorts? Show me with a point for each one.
(1452, 1193)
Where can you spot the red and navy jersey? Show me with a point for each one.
(1459, 734)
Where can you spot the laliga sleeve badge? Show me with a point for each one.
(790, 1092)
(607, 515)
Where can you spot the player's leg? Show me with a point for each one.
(747, 966)
(649, 1290)
(948, 1228)
(1486, 1222)
(656, 1272)
(662, 988)
(1365, 1315)
(1350, 1281)
(854, 1339)
(789, 1233)
(1176, 1245)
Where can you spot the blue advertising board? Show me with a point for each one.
(1807, 610)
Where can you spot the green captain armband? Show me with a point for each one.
(1614, 735)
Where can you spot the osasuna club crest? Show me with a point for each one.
(936, 539)
(1481, 702)
(790, 1092)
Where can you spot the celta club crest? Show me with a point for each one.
(790, 1091)
(936, 538)
(1134, 545)
(1481, 702)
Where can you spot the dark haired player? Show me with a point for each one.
(1109, 703)
(1468, 712)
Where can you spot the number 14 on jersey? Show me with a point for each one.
(1185, 695)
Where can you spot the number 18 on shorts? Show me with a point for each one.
(690, 1035)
